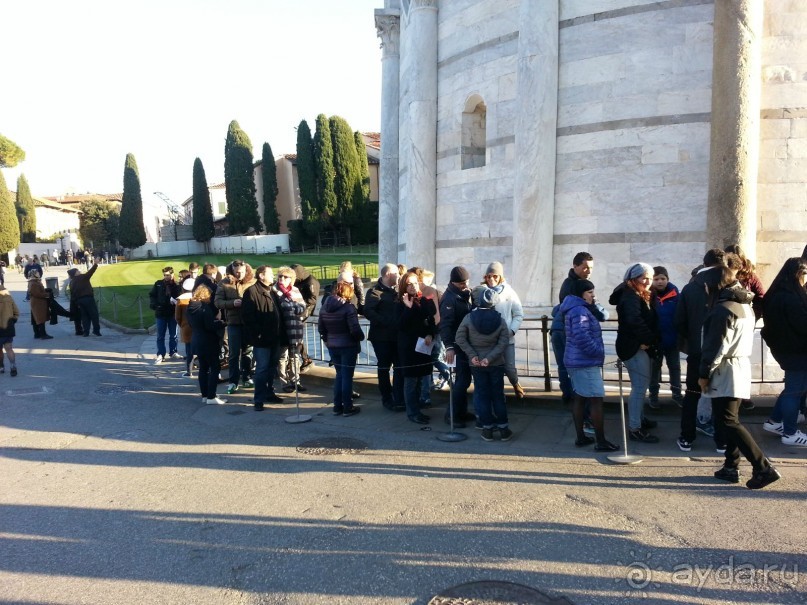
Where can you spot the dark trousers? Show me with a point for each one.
(240, 363)
(387, 355)
(489, 401)
(89, 314)
(462, 382)
(209, 366)
(689, 411)
(559, 347)
(725, 413)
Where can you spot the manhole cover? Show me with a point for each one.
(236, 412)
(28, 391)
(332, 445)
(118, 389)
(494, 593)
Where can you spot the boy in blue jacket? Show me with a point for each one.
(666, 301)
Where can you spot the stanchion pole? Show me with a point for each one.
(623, 458)
(296, 418)
(451, 435)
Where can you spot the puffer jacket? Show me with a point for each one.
(638, 323)
(181, 315)
(230, 290)
(666, 303)
(584, 346)
(483, 333)
(694, 303)
(9, 314)
(292, 309)
(728, 340)
(339, 323)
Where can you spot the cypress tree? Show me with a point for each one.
(242, 205)
(203, 229)
(365, 225)
(25, 210)
(307, 180)
(346, 171)
(270, 191)
(9, 226)
(325, 175)
(132, 231)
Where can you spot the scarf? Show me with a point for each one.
(285, 290)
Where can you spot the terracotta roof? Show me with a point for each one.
(48, 203)
(78, 198)
(372, 139)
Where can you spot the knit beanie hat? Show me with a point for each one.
(495, 268)
(580, 286)
(484, 297)
(72, 272)
(637, 270)
(661, 271)
(459, 274)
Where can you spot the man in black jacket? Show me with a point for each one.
(308, 285)
(162, 299)
(265, 331)
(454, 306)
(379, 309)
(694, 303)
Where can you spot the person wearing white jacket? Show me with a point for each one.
(509, 307)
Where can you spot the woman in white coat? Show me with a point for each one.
(509, 307)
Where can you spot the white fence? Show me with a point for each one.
(235, 244)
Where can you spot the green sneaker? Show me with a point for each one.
(231, 388)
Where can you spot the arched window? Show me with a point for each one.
(474, 141)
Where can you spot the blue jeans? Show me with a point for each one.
(489, 396)
(787, 405)
(163, 324)
(344, 362)
(239, 361)
(412, 396)
(639, 370)
(673, 358)
(559, 347)
(266, 359)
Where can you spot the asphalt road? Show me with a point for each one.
(118, 486)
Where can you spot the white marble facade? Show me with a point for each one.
(597, 135)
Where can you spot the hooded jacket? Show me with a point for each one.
(694, 303)
(584, 346)
(728, 339)
(262, 318)
(483, 333)
(230, 289)
(9, 314)
(666, 304)
(308, 285)
(338, 323)
(600, 314)
(638, 323)
(454, 306)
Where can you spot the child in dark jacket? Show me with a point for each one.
(666, 301)
(483, 336)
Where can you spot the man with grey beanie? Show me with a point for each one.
(454, 306)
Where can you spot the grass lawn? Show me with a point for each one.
(122, 289)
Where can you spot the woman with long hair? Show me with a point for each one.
(415, 317)
(749, 279)
(205, 342)
(785, 332)
(339, 327)
(637, 339)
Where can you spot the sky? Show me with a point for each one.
(88, 81)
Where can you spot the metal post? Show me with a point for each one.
(140, 311)
(451, 435)
(545, 336)
(623, 458)
(114, 308)
(296, 418)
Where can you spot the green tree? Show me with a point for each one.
(346, 172)
(203, 229)
(11, 154)
(132, 231)
(9, 226)
(325, 174)
(99, 223)
(25, 210)
(270, 191)
(364, 223)
(307, 181)
(239, 182)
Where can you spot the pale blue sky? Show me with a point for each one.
(87, 81)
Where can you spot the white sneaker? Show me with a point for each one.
(798, 439)
(216, 401)
(774, 427)
(158, 360)
(175, 355)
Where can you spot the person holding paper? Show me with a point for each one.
(416, 330)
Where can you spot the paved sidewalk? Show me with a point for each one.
(119, 486)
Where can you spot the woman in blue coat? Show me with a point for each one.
(584, 357)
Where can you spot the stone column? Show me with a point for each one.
(421, 116)
(387, 22)
(734, 148)
(536, 134)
